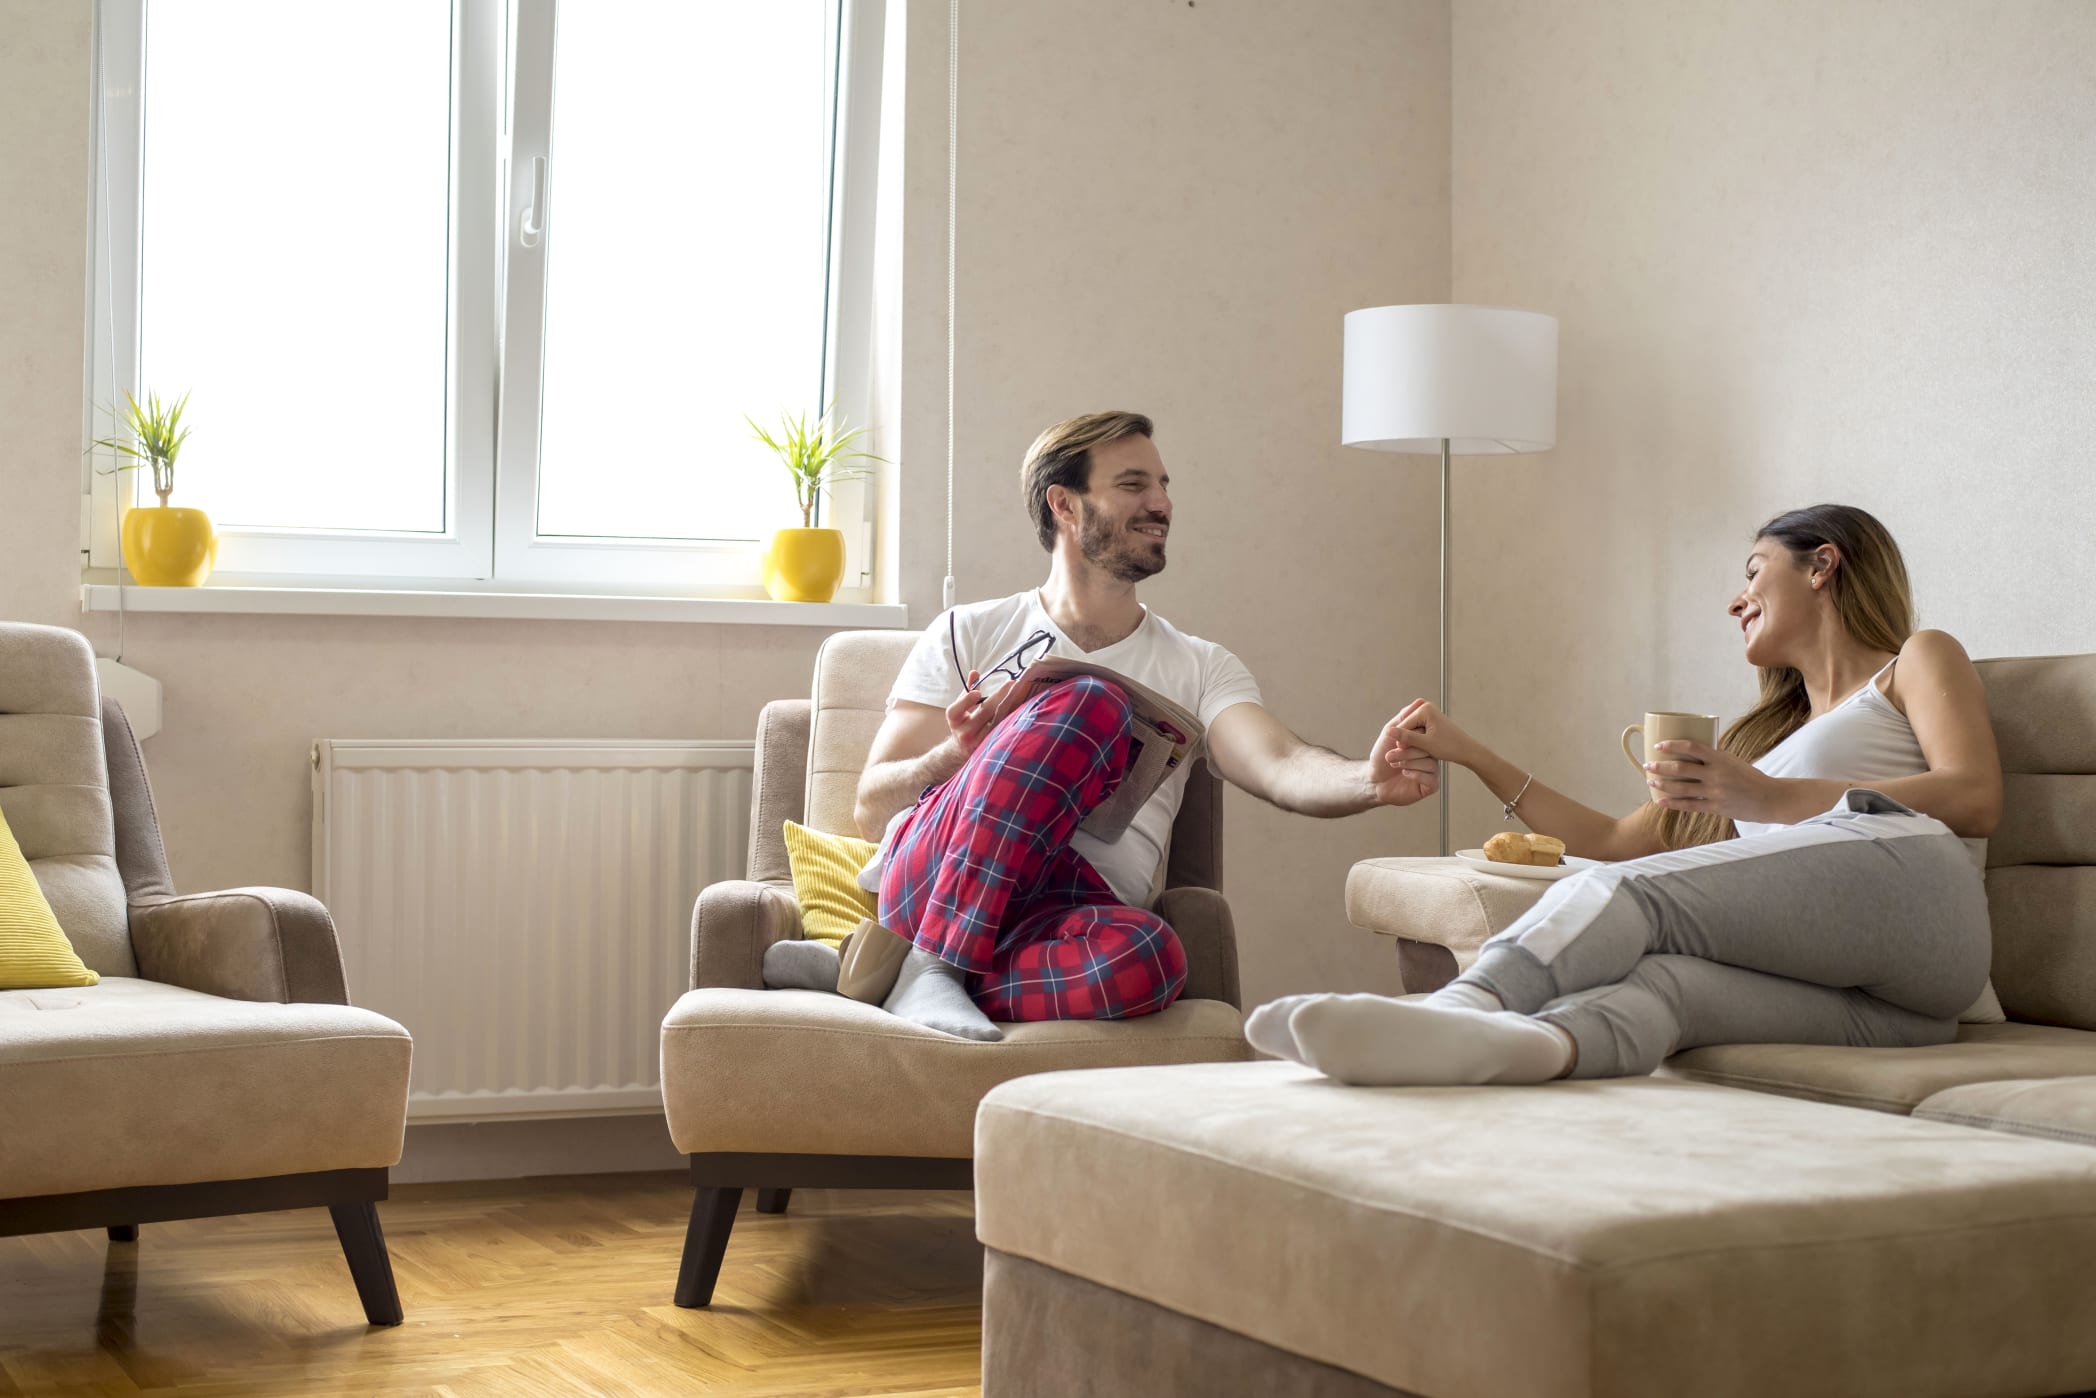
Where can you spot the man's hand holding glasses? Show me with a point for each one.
(968, 717)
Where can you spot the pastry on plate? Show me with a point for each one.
(1547, 850)
(1514, 847)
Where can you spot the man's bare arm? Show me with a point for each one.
(1250, 748)
(916, 747)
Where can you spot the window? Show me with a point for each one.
(478, 294)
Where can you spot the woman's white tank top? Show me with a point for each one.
(1861, 740)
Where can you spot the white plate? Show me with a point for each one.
(1572, 865)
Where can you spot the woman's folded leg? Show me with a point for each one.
(1671, 1003)
(1869, 896)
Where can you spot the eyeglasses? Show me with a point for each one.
(1011, 666)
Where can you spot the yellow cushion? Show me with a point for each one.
(34, 952)
(826, 882)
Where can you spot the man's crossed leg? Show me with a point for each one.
(1001, 912)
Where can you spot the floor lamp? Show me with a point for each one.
(1457, 380)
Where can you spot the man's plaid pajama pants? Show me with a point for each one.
(981, 873)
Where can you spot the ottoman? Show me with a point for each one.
(1254, 1228)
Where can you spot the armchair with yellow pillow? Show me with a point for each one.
(166, 1056)
(781, 1089)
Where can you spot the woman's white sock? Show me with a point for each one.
(1464, 995)
(1267, 1029)
(1373, 1041)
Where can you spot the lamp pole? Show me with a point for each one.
(1445, 548)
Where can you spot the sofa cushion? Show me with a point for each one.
(54, 786)
(33, 947)
(825, 872)
(1893, 1079)
(2044, 920)
(854, 671)
(797, 1071)
(2041, 879)
(1634, 1237)
(131, 1082)
(2053, 1109)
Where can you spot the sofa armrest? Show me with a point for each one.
(267, 944)
(732, 924)
(1448, 903)
(1201, 917)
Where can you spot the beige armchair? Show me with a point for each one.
(218, 1067)
(778, 1089)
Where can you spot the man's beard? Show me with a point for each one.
(1112, 548)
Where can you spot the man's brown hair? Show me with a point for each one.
(1063, 456)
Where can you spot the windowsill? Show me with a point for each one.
(309, 601)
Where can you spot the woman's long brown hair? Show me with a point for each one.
(1876, 607)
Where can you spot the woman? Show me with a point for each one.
(1804, 882)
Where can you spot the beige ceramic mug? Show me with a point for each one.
(1659, 728)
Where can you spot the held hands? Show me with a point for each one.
(1400, 773)
(968, 717)
(1694, 778)
(1422, 730)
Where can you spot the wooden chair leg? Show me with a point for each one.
(773, 1201)
(123, 1232)
(364, 1245)
(705, 1244)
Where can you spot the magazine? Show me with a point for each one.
(1166, 735)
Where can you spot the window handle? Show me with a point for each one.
(531, 224)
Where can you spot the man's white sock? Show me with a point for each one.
(794, 964)
(1374, 1041)
(932, 993)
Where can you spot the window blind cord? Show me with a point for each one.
(108, 294)
(953, 179)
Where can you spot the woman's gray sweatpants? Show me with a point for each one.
(1864, 926)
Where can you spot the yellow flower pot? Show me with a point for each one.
(167, 546)
(804, 565)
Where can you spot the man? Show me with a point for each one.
(1009, 907)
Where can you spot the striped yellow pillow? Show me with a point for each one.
(826, 882)
(34, 952)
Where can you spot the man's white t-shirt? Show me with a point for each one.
(1198, 674)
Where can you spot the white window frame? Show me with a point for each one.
(501, 109)
(462, 551)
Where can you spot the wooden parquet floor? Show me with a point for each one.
(529, 1287)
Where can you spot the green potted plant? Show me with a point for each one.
(807, 564)
(164, 546)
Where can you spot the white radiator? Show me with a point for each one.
(525, 908)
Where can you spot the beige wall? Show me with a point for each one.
(1163, 206)
(1802, 251)
(1170, 208)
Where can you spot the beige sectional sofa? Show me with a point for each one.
(1734, 1225)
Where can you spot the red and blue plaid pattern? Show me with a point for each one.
(981, 873)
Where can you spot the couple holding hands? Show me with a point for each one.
(1813, 878)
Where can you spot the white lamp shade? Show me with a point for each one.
(1481, 377)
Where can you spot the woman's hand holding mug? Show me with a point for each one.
(1686, 771)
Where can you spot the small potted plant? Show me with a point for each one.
(164, 546)
(807, 564)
